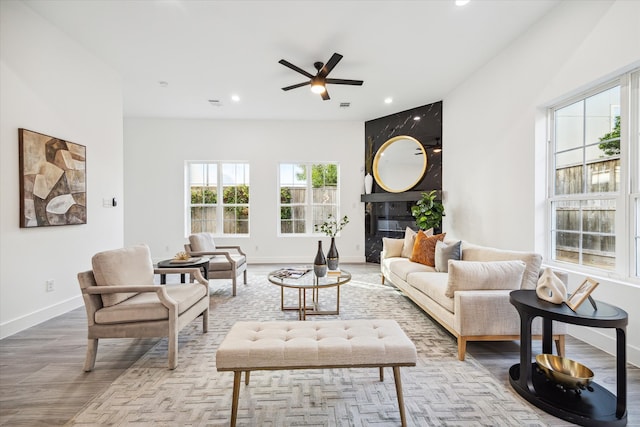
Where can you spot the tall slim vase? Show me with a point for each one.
(368, 183)
(332, 255)
(320, 263)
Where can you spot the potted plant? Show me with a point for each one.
(428, 211)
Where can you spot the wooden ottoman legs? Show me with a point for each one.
(237, 376)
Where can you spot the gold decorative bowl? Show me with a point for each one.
(566, 372)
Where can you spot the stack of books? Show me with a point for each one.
(291, 273)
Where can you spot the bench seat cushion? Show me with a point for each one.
(146, 306)
(301, 344)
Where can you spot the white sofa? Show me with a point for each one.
(478, 285)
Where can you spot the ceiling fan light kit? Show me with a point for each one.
(319, 81)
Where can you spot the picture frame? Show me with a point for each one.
(582, 293)
(53, 185)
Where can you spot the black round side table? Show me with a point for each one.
(201, 263)
(588, 408)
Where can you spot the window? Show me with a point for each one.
(591, 178)
(220, 209)
(308, 194)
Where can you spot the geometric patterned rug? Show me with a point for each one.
(439, 391)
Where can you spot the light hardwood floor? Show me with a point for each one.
(42, 382)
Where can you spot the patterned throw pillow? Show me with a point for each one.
(424, 249)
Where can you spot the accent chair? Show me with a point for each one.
(227, 262)
(122, 300)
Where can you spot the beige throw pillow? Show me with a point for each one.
(445, 252)
(410, 239)
(392, 247)
(479, 275)
(121, 267)
(202, 242)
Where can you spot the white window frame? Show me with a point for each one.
(309, 203)
(220, 205)
(627, 198)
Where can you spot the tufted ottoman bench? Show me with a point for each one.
(277, 345)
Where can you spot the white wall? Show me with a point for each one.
(49, 84)
(494, 135)
(155, 155)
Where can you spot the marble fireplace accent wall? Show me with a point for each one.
(388, 214)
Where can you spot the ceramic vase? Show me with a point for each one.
(320, 263)
(368, 183)
(551, 288)
(332, 255)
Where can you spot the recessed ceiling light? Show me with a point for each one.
(235, 98)
(416, 118)
(462, 2)
(388, 100)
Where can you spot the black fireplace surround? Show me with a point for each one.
(388, 214)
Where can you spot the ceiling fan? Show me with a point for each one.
(319, 81)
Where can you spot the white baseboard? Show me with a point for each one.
(28, 320)
(606, 343)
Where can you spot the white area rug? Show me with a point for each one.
(439, 391)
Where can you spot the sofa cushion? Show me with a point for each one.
(478, 275)
(410, 240)
(202, 242)
(392, 247)
(221, 263)
(401, 267)
(146, 306)
(471, 252)
(424, 249)
(445, 252)
(434, 286)
(122, 267)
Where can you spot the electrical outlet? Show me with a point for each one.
(50, 285)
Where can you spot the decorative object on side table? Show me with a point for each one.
(567, 373)
(320, 263)
(582, 293)
(368, 161)
(331, 227)
(551, 288)
(428, 212)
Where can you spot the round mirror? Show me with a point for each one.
(399, 164)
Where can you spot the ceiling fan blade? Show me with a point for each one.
(332, 62)
(344, 82)
(294, 68)
(296, 86)
(325, 95)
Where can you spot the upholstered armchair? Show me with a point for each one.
(122, 300)
(227, 262)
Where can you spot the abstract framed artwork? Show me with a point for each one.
(53, 185)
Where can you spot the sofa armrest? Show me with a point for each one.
(485, 312)
(491, 313)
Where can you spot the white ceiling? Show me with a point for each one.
(413, 51)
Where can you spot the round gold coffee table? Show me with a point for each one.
(309, 281)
